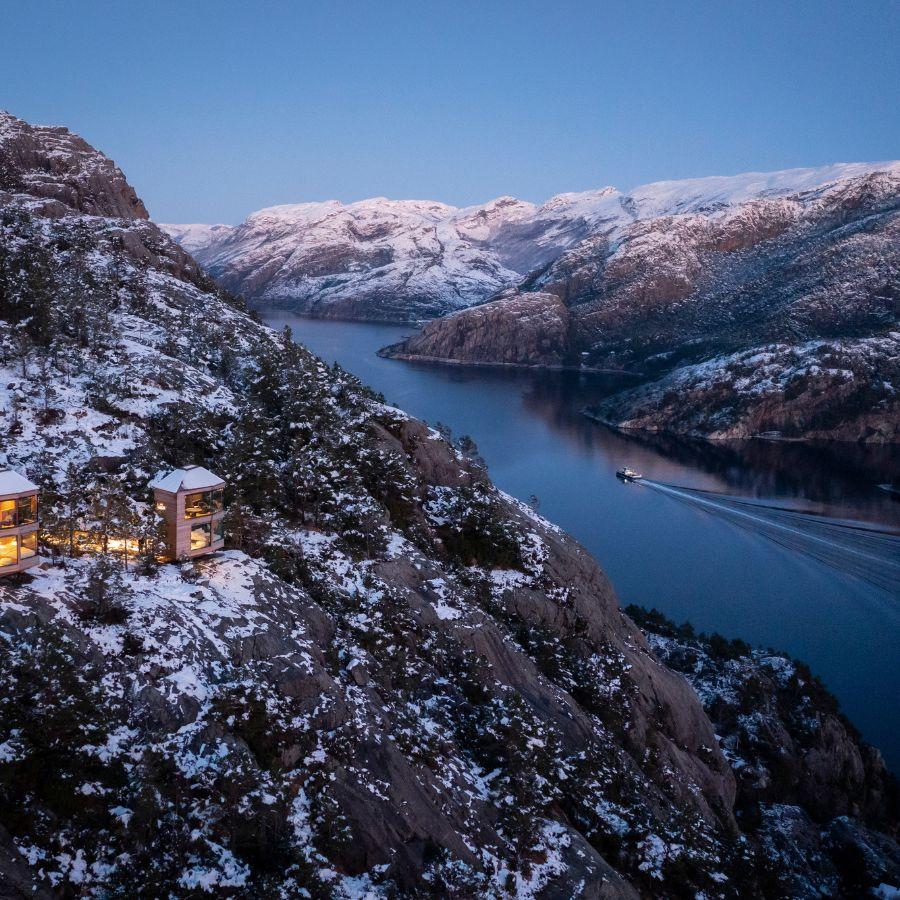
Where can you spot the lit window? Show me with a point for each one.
(200, 536)
(9, 551)
(160, 507)
(195, 505)
(203, 503)
(7, 513)
(28, 547)
(27, 510)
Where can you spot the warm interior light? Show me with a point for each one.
(7, 513)
(201, 536)
(203, 503)
(9, 551)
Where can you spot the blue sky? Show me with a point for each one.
(214, 109)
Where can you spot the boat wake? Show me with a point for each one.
(860, 549)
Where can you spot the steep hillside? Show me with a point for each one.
(396, 681)
(765, 277)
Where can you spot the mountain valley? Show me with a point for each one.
(685, 283)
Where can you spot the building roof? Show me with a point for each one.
(14, 483)
(190, 478)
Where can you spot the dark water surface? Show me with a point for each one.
(783, 545)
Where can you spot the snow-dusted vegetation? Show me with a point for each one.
(396, 680)
(847, 389)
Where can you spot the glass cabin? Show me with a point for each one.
(192, 503)
(18, 523)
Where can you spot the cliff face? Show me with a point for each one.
(688, 291)
(54, 164)
(396, 680)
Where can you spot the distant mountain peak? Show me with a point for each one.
(408, 260)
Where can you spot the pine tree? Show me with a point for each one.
(253, 470)
(105, 591)
(112, 514)
(150, 532)
(63, 504)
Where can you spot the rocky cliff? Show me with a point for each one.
(396, 681)
(54, 164)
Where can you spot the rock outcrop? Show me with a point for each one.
(51, 163)
(515, 331)
(819, 390)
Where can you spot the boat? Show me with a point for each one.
(627, 474)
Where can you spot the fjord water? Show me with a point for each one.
(784, 545)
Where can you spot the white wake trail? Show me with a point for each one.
(854, 548)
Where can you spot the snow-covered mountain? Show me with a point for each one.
(197, 237)
(407, 260)
(379, 259)
(707, 269)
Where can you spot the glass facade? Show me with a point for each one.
(218, 531)
(15, 548)
(18, 512)
(9, 551)
(28, 545)
(203, 503)
(27, 510)
(7, 513)
(201, 536)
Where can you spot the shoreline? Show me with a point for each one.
(386, 353)
(267, 310)
(762, 437)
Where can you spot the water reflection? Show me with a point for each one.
(838, 478)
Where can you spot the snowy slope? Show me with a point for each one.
(196, 237)
(375, 258)
(407, 260)
(720, 191)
